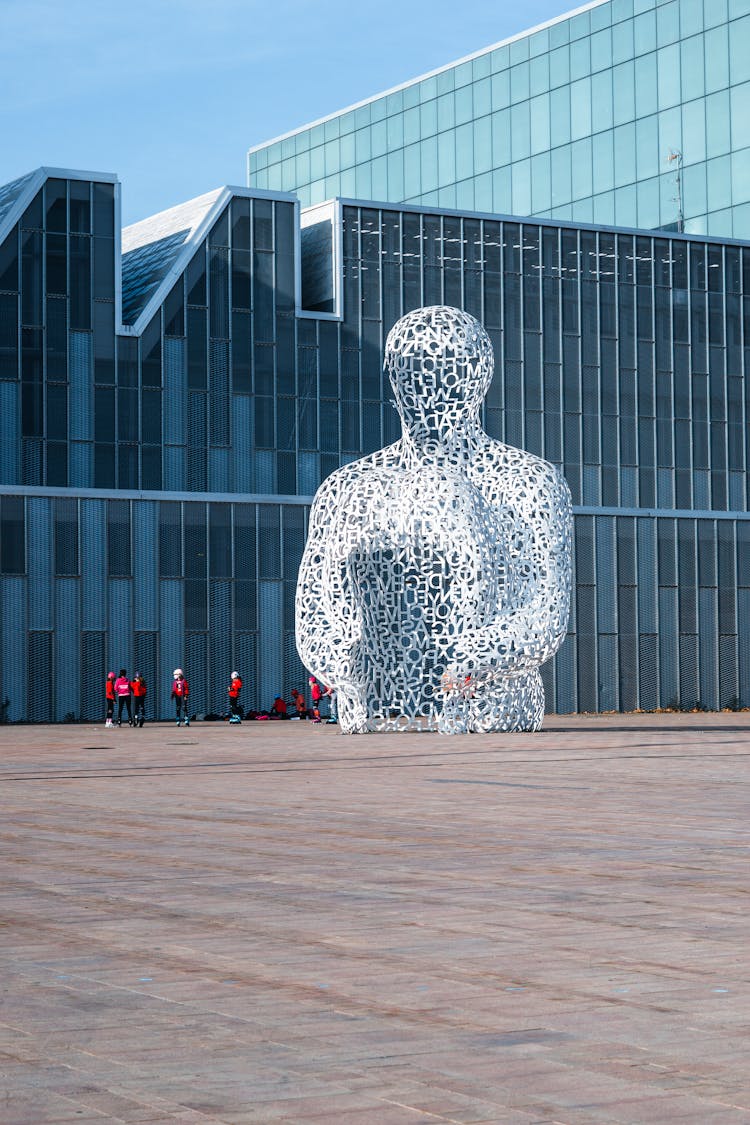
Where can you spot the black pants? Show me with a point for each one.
(139, 709)
(123, 701)
(234, 705)
(110, 708)
(180, 702)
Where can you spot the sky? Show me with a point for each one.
(170, 94)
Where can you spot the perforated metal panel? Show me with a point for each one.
(294, 672)
(669, 673)
(270, 622)
(32, 461)
(120, 624)
(41, 685)
(196, 671)
(220, 632)
(9, 432)
(67, 649)
(40, 561)
(609, 696)
(171, 637)
(743, 645)
(147, 663)
(146, 564)
(175, 390)
(588, 684)
(81, 420)
(665, 488)
(547, 672)
(565, 676)
(245, 662)
(729, 688)
(689, 686)
(93, 677)
(219, 388)
(265, 465)
(648, 672)
(219, 464)
(80, 464)
(13, 644)
(174, 468)
(606, 582)
(628, 652)
(308, 473)
(708, 648)
(647, 588)
(196, 446)
(242, 443)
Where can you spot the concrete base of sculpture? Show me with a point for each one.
(436, 575)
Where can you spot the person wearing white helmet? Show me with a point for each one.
(234, 689)
(180, 693)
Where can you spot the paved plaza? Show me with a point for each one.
(273, 923)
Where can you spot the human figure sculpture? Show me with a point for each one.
(436, 575)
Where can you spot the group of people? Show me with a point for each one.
(130, 696)
(318, 692)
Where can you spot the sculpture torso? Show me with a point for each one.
(431, 549)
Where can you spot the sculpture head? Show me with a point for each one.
(439, 361)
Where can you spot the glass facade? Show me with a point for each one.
(155, 476)
(574, 121)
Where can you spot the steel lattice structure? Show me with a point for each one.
(436, 576)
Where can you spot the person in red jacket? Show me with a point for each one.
(316, 693)
(138, 687)
(122, 691)
(278, 710)
(234, 689)
(180, 693)
(299, 703)
(110, 699)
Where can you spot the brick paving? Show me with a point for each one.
(272, 923)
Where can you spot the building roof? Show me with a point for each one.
(151, 248)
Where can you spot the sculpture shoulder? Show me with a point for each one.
(513, 471)
(359, 477)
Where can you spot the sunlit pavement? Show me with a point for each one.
(271, 922)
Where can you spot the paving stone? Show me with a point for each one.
(275, 923)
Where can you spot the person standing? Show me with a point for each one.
(180, 693)
(299, 702)
(234, 689)
(138, 688)
(122, 691)
(110, 699)
(316, 693)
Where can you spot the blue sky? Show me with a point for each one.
(170, 94)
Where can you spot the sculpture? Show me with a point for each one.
(436, 575)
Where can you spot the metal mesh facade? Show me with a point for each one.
(155, 484)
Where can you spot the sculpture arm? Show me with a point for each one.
(532, 624)
(326, 627)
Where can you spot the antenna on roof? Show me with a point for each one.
(676, 156)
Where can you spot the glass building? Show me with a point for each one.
(575, 120)
(168, 406)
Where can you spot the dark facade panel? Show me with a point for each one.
(620, 358)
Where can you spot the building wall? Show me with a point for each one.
(574, 121)
(155, 487)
